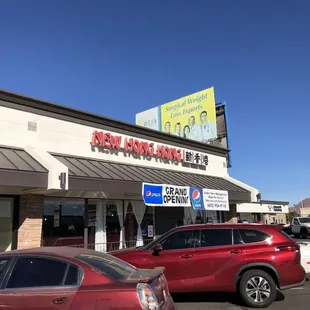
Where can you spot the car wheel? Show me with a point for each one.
(257, 289)
(304, 234)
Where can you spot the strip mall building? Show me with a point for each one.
(70, 177)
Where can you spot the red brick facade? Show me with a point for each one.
(30, 221)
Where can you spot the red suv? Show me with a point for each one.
(254, 260)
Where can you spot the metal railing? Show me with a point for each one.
(111, 246)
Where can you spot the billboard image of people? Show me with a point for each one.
(192, 117)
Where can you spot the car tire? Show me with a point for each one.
(261, 285)
(304, 233)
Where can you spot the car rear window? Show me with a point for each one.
(304, 220)
(253, 236)
(107, 264)
(216, 237)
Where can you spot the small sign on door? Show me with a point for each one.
(150, 231)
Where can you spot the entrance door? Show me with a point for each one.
(177, 256)
(6, 222)
(167, 218)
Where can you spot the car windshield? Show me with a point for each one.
(107, 264)
(304, 220)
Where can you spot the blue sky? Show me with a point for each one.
(119, 57)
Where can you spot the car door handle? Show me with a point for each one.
(59, 301)
(186, 256)
(235, 251)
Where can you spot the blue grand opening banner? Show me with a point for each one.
(166, 195)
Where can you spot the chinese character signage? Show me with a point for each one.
(196, 158)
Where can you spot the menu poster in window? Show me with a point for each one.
(216, 200)
(150, 231)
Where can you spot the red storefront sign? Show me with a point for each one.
(109, 141)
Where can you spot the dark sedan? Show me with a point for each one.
(71, 278)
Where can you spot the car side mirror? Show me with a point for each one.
(157, 249)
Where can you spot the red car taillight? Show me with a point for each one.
(147, 297)
(291, 248)
(288, 248)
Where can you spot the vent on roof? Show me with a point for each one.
(32, 126)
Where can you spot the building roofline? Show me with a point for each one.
(275, 202)
(78, 114)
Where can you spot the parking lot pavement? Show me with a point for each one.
(294, 299)
(301, 240)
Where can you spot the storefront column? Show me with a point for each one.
(138, 208)
(121, 208)
(100, 234)
(154, 224)
(30, 221)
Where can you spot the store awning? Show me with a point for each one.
(263, 207)
(88, 171)
(18, 168)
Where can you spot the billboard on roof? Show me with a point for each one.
(194, 117)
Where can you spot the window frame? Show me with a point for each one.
(256, 242)
(213, 246)
(236, 230)
(11, 260)
(62, 286)
(301, 220)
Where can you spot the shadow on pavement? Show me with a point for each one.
(217, 297)
(207, 297)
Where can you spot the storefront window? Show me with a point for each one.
(113, 225)
(212, 217)
(138, 212)
(63, 222)
(108, 237)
